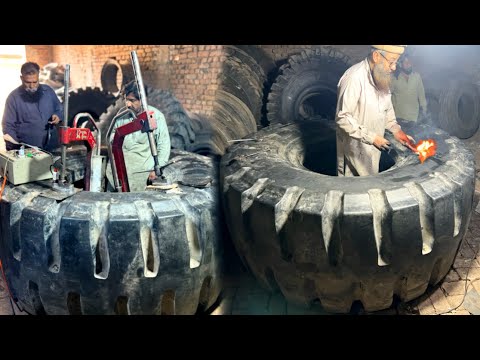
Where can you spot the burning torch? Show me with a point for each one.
(424, 148)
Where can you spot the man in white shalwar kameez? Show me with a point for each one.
(365, 111)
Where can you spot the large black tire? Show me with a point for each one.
(308, 80)
(207, 141)
(231, 120)
(341, 239)
(260, 56)
(244, 78)
(114, 75)
(116, 253)
(178, 122)
(459, 113)
(94, 101)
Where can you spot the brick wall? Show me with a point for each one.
(194, 72)
(189, 71)
(86, 62)
(41, 54)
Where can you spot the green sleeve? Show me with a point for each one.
(120, 121)
(162, 138)
(421, 94)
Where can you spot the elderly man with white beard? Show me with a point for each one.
(30, 111)
(365, 111)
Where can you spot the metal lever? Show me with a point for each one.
(143, 100)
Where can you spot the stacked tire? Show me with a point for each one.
(93, 101)
(306, 79)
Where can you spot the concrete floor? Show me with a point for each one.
(457, 294)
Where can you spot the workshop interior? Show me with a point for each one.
(239, 180)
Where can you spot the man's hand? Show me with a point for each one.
(381, 143)
(405, 140)
(55, 120)
(152, 176)
(8, 138)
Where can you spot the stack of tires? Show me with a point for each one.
(453, 102)
(239, 107)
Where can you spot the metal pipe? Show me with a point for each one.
(121, 113)
(92, 121)
(63, 172)
(138, 78)
(143, 100)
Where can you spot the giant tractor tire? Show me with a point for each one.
(243, 77)
(306, 86)
(339, 240)
(115, 75)
(116, 253)
(231, 121)
(93, 101)
(459, 113)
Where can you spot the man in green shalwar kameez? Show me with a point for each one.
(136, 148)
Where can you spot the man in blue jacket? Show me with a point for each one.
(30, 111)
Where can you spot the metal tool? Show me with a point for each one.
(67, 136)
(144, 122)
(93, 166)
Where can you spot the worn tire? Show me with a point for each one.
(207, 141)
(114, 75)
(244, 78)
(231, 120)
(115, 253)
(178, 122)
(94, 101)
(341, 239)
(459, 113)
(307, 79)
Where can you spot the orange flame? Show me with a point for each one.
(425, 149)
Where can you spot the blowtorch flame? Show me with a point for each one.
(425, 149)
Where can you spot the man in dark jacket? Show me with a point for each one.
(31, 110)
